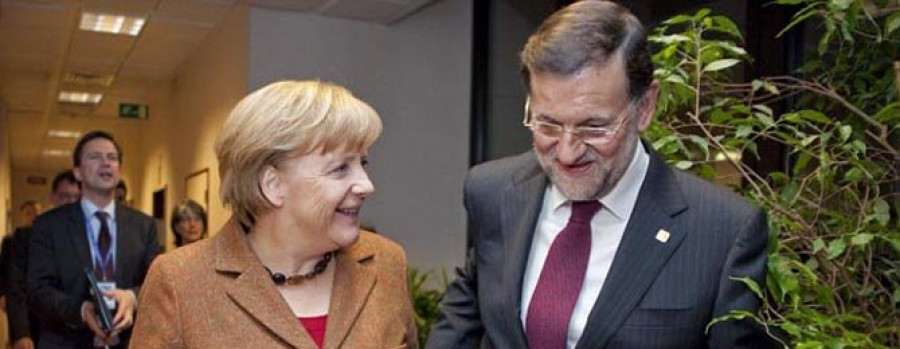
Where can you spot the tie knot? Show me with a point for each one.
(583, 211)
(102, 215)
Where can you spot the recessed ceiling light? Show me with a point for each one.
(57, 152)
(110, 23)
(88, 79)
(64, 134)
(80, 97)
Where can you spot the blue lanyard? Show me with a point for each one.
(101, 261)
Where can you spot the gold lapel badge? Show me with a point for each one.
(663, 236)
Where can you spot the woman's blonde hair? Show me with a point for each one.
(282, 120)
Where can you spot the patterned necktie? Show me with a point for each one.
(547, 324)
(104, 240)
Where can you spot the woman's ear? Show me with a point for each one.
(270, 185)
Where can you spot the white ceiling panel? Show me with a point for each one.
(291, 5)
(140, 8)
(194, 10)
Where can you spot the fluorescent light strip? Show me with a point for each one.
(57, 152)
(63, 134)
(110, 23)
(80, 97)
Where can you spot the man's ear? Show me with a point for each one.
(77, 172)
(648, 107)
(271, 186)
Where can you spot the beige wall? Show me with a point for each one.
(5, 188)
(207, 85)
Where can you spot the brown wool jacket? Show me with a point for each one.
(216, 294)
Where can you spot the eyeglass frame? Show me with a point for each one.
(578, 130)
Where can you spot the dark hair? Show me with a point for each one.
(585, 33)
(178, 213)
(122, 186)
(67, 176)
(90, 136)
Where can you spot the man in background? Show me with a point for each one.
(22, 324)
(115, 242)
(122, 193)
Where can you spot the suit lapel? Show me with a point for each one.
(78, 234)
(353, 283)
(252, 289)
(521, 206)
(640, 256)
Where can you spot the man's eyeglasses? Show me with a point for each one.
(588, 134)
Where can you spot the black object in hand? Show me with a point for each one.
(103, 312)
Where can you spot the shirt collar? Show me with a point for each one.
(620, 200)
(90, 209)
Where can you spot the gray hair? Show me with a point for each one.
(586, 33)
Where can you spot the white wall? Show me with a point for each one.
(206, 87)
(416, 73)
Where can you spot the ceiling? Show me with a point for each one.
(40, 45)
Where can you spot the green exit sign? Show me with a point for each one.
(134, 111)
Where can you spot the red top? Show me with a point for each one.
(315, 326)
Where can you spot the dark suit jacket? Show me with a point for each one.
(657, 295)
(21, 322)
(216, 294)
(58, 253)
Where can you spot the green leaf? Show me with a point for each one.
(733, 315)
(836, 248)
(854, 175)
(743, 131)
(670, 39)
(757, 84)
(763, 108)
(702, 143)
(684, 164)
(896, 296)
(862, 239)
(721, 64)
(701, 14)
(818, 245)
(890, 113)
(845, 132)
(814, 116)
(725, 25)
(751, 284)
(841, 4)
(772, 89)
(808, 140)
(882, 211)
(765, 119)
(892, 23)
(678, 19)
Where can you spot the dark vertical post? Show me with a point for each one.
(480, 59)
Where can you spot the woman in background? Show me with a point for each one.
(188, 222)
(291, 268)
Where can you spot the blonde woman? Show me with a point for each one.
(291, 268)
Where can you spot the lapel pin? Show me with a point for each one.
(662, 236)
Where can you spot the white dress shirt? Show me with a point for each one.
(607, 228)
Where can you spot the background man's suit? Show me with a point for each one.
(59, 251)
(657, 294)
(21, 321)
